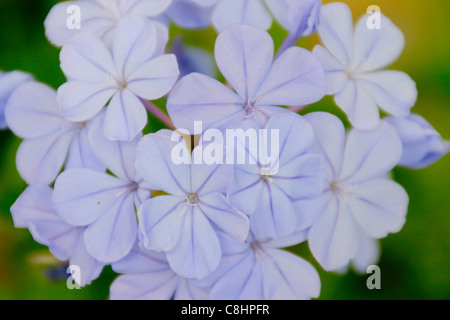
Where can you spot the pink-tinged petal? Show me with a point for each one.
(92, 20)
(160, 285)
(125, 117)
(274, 217)
(376, 48)
(134, 44)
(333, 238)
(113, 235)
(245, 12)
(86, 58)
(197, 97)
(370, 154)
(32, 111)
(117, 156)
(296, 78)
(161, 221)
(81, 101)
(197, 252)
(288, 277)
(82, 196)
(154, 163)
(217, 209)
(358, 104)
(329, 142)
(379, 206)
(393, 91)
(39, 160)
(155, 78)
(335, 74)
(336, 31)
(244, 56)
(81, 154)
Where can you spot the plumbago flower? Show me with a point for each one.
(97, 17)
(51, 140)
(190, 14)
(137, 69)
(244, 55)
(146, 275)
(265, 189)
(422, 144)
(104, 204)
(9, 81)
(34, 210)
(259, 269)
(358, 196)
(352, 60)
(297, 16)
(183, 223)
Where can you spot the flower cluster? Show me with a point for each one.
(211, 219)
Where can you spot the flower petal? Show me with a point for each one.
(39, 160)
(245, 12)
(82, 196)
(394, 91)
(32, 111)
(134, 44)
(161, 221)
(217, 209)
(81, 101)
(112, 236)
(125, 117)
(154, 163)
(336, 31)
(244, 56)
(160, 285)
(197, 97)
(376, 48)
(197, 252)
(296, 78)
(333, 238)
(155, 78)
(370, 154)
(335, 74)
(86, 58)
(380, 207)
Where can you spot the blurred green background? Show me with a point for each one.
(414, 262)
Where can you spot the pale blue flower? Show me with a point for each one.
(97, 17)
(353, 60)
(104, 204)
(34, 210)
(422, 144)
(9, 81)
(266, 191)
(135, 70)
(146, 275)
(244, 55)
(33, 113)
(261, 270)
(358, 196)
(191, 14)
(183, 223)
(299, 17)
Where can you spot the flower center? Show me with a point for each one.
(265, 175)
(192, 198)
